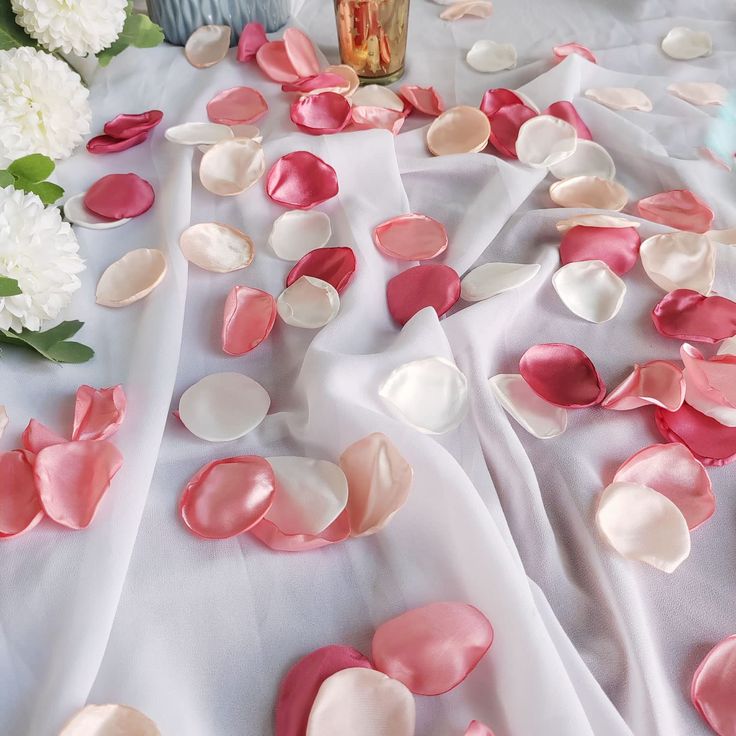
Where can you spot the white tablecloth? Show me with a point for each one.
(198, 634)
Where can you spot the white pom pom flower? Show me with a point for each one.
(43, 105)
(40, 251)
(72, 26)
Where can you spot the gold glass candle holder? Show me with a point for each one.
(372, 37)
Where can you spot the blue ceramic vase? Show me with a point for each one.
(179, 18)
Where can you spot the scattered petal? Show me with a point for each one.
(476, 8)
(269, 534)
(491, 279)
(20, 509)
(424, 99)
(198, 134)
(300, 52)
(726, 237)
(685, 43)
(78, 214)
(589, 191)
(710, 384)
(325, 112)
(595, 221)
(116, 196)
(308, 302)
(713, 689)
(3, 420)
(131, 278)
(36, 436)
(336, 266)
(246, 130)
(460, 129)
(376, 95)
(322, 82)
(494, 99)
(236, 106)
(379, 118)
(590, 289)
(620, 98)
(680, 260)
(699, 93)
(107, 144)
(297, 232)
(679, 209)
(301, 180)
(231, 167)
(411, 237)
(657, 382)
(565, 110)
(588, 159)
(110, 720)
(490, 56)
(566, 49)
(727, 347)
(476, 728)
(505, 127)
(433, 285)
(252, 37)
(216, 247)
(274, 62)
(688, 315)
(248, 319)
(98, 412)
(131, 125)
(349, 75)
(544, 141)
(207, 46)
(617, 247)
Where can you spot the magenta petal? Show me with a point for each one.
(476, 728)
(566, 111)
(563, 375)
(108, 144)
(424, 99)
(248, 319)
(117, 196)
(252, 37)
(302, 682)
(321, 81)
(411, 237)
(505, 125)
(131, 125)
(433, 285)
(20, 509)
(36, 436)
(269, 534)
(324, 112)
(494, 99)
(237, 106)
(301, 180)
(274, 63)
(688, 315)
(73, 477)
(98, 412)
(300, 52)
(564, 50)
(618, 247)
(679, 208)
(433, 648)
(658, 382)
(336, 266)
(713, 689)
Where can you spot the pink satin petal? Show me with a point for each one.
(411, 237)
(460, 129)
(566, 111)
(672, 471)
(237, 106)
(366, 117)
(679, 208)
(302, 682)
(227, 497)
(300, 52)
(98, 412)
(710, 384)
(713, 689)
(564, 50)
(617, 247)
(20, 509)
(432, 649)
(116, 196)
(336, 266)
(36, 436)
(688, 315)
(110, 720)
(108, 144)
(301, 180)
(474, 8)
(433, 285)
(710, 441)
(72, 478)
(505, 126)
(273, 61)
(252, 37)
(424, 99)
(494, 99)
(658, 382)
(322, 82)
(269, 534)
(476, 728)
(563, 375)
(131, 125)
(248, 319)
(325, 112)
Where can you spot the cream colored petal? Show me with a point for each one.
(490, 279)
(216, 247)
(699, 93)
(309, 302)
(78, 214)
(595, 221)
(196, 134)
(490, 56)
(680, 260)
(131, 278)
(588, 159)
(232, 166)
(376, 95)
(297, 232)
(207, 46)
(545, 140)
(110, 720)
(589, 191)
(620, 98)
(590, 289)
(460, 129)
(685, 43)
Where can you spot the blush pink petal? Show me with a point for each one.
(411, 237)
(116, 196)
(566, 111)
(72, 478)
(324, 112)
(476, 728)
(658, 382)
(367, 117)
(237, 106)
(475, 8)
(322, 82)
(269, 534)
(432, 649)
(460, 129)
(494, 99)
(110, 720)
(300, 52)
(108, 144)
(685, 314)
(433, 285)
(505, 126)
(98, 412)
(208, 45)
(424, 99)
(301, 180)
(20, 509)
(563, 375)
(273, 61)
(252, 37)
(248, 319)
(302, 682)
(36, 436)
(618, 247)
(679, 209)
(710, 384)
(713, 689)
(131, 125)
(564, 50)
(336, 266)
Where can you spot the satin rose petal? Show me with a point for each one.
(672, 471)
(688, 315)
(588, 159)
(620, 98)
(227, 497)
(198, 134)
(617, 247)
(684, 43)
(460, 129)
(98, 412)
(309, 303)
(476, 728)
(71, 479)
(379, 479)
(301, 180)
(727, 237)
(269, 534)
(231, 167)
(710, 384)
(433, 648)
(713, 689)
(274, 62)
(78, 214)
(107, 144)
(3, 420)
(207, 45)
(490, 279)
(236, 106)
(322, 82)
(424, 99)
(326, 112)
(727, 347)
(116, 196)
(680, 260)
(505, 127)
(377, 118)
(595, 221)
(36, 436)
(590, 289)
(252, 37)
(430, 395)
(563, 375)
(131, 278)
(336, 266)
(589, 191)
(20, 508)
(131, 125)
(248, 319)
(352, 82)
(494, 99)
(301, 683)
(223, 406)
(566, 49)
(475, 8)
(433, 285)
(491, 56)
(565, 110)
(301, 53)
(110, 720)
(216, 247)
(537, 416)
(297, 232)
(679, 209)
(657, 382)
(411, 237)
(544, 141)
(699, 93)
(376, 95)
(643, 524)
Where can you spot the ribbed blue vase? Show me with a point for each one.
(179, 18)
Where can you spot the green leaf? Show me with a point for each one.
(6, 178)
(32, 168)
(11, 34)
(62, 331)
(139, 31)
(52, 344)
(46, 190)
(71, 352)
(9, 287)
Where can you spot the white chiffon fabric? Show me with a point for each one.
(197, 634)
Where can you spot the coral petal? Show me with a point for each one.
(322, 82)
(20, 508)
(336, 266)
(679, 209)
(252, 37)
(274, 62)
(237, 106)
(411, 237)
(433, 285)
(324, 112)
(566, 49)
(248, 319)
(617, 247)
(424, 99)
(301, 180)
(117, 196)
(98, 412)
(710, 384)
(713, 689)
(658, 382)
(365, 117)
(476, 728)
(269, 534)
(36, 436)
(300, 52)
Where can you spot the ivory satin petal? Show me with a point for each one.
(590, 289)
(216, 247)
(491, 56)
(657, 382)
(3, 420)
(545, 140)
(297, 232)
(78, 214)
(231, 167)
(684, 43)
(588, 159)
(489, 279)
(131, 278)
(595, 221)
(473, 8)
(110, 720)
(460, 129)
(620, 98)
(207, 45)
(680, 260)
(309, 303)
(376, 95)
(589, 191)
(198, 134)
(699, 93)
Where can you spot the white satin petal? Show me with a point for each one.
(589, 191)
(309, 302)
(3, 420)
(297, 232)
(680, 260)
(699, 93)
(684, 43)
(590, 289)
(726, 237)
(376, 95)
(199, 134)
(232, 166)
(131, 278)
(490, 279)
(110, 720)
(545, 140)
(589, 159)
(490, 56)
(216, 247)
(620, 98)
(207, 45)
(78, 214)
(595, 221)
(728, 347)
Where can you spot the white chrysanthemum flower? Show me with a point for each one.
(72, 26)
(40, 251)
(43, 105)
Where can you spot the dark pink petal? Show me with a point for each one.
(274, 63)
(301, 180)
(566, 111)
(324, 112)
(433, 648)
(411, 237)
(117, 196)
(131, 125)
(564, 50)
(476, 728)
(20, 509)
(300, 52)
(658, 382)
(73, 477)
(618, 247)
(688, 315)
(505, 125)
(679, 208)
(36, 436)
(713, 689)
(252, 37)
(322, 81)
(108, 144)
(494, 99)
(563, 375)
(366, 117)
(336, 266)
(301, 683)
(248, 319)
(269, 534)
(424, 99)
(98, 412)
(237, 106)
(433, 285)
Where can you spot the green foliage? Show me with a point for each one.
(9, 287)
(139, 31)
(53, 344)
(11, 34)
(28, 173)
